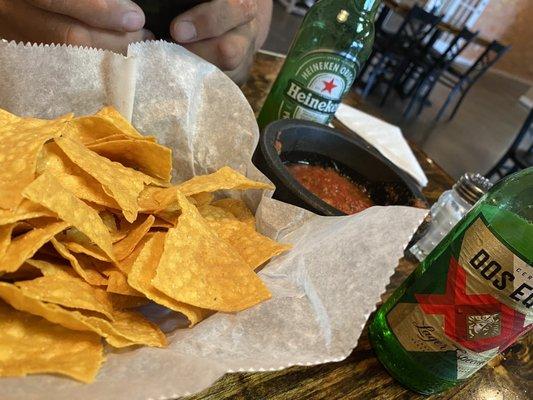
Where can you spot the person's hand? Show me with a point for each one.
(225, 32)
(107, 24)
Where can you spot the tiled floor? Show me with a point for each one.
(474, 140)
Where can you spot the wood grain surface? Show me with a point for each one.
(361, 376)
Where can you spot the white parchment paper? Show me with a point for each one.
(322, 291)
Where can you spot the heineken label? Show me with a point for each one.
(473, 302)
(317, 87)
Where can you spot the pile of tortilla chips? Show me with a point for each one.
(91, 228)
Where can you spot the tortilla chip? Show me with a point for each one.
(73, 178)
(24, 247)
(202, 198)
(224, 179)
(200, 269)
(83, 269)
(113, 116)
(67, 291)
(90, 128)
(122, 302)
(148, 157)
(87, 249)
(126, 264)
(32, 345)
(144, 270)
(117, 283)
(123, 184)
(48, 191)
(26, 210)
(238, 208)
(126, 329)
(253, 247)
(5, 238)
(137, 231)
(20, 144)
(154, 199)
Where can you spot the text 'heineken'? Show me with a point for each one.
(469, 300)
(330, 48)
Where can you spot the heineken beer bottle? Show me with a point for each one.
(469, 299)
(333, 43)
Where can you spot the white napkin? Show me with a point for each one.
(386, 138)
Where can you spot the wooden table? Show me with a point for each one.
(361, 376)
(403, 9)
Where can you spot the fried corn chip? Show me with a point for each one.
(87, 249)
(253, 247)
(238, 208)
(123, 184)
(151, 158)
(223, 179)
(67, 291)
(6, 117)
(126, 329)
(155, 199)
(143, 271)
(91, 128)
(122, 302)
(113, 116)
(26, 210)
(117, 283)
(20, 144)
(48, 191)
(202, 198)
(199, 269)
(30, 345)
(137, 231)
(5, 237)
(88, 274)
(24, 247)
(73, 178)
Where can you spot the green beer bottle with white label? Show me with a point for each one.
(333, 43)
(469, 300)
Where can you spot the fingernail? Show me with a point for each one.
(132, 21)
(184, 31)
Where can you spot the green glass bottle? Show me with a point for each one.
(333, 43)
(469, 299)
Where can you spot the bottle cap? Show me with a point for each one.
(472, 186)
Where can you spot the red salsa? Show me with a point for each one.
(330, 186)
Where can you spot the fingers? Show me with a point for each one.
(212, 19)
(114, 15)
(28, 23)
(228, 51)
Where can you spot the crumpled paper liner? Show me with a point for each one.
(322, 291)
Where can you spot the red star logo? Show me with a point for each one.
(329, 86)
(455, 305)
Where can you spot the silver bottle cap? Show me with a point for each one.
(472, 186)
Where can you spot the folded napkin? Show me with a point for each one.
(386, 138)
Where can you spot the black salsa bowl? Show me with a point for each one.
(295, 141)
(160, 13)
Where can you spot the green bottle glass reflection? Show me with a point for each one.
(471, 297)
(333, 43)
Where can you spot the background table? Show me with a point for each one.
(361, 376)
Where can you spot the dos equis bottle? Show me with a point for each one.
(333, 43)
(469, 299)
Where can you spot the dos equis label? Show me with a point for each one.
(474, 301)
(317, 87)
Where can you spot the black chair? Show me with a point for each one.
(519, 155)
(461, 82)
(428, 69)
(393, 53)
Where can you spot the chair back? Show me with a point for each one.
(456, 46)
(492, 53)
(416, 28)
